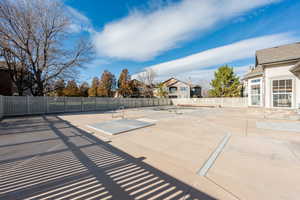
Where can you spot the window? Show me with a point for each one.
(282, 93)
(255, 81)
(173, 89)
(255, 95)
(183, 89)
(255, 92)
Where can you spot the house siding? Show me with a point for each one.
(179, 93)
(6, 86)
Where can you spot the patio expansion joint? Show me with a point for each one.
(293, 152)
(223, 188)
(210, 162)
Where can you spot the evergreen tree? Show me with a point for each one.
(225, 83)
(106, 85)
(161, 91)
(92, 92)
(124, 88)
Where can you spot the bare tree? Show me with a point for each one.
(34, 32)
(147, 77)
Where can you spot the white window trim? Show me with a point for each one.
(293, 91)
(250, 94)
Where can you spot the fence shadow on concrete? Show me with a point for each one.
(69, 163)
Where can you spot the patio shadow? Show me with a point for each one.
(78, 165)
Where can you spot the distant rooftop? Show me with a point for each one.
(256, 71)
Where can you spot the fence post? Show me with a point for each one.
(64, 104)
(46, 104)
(81, 100)
(1, 107)
(28, 104)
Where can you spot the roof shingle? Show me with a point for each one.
(278, 54)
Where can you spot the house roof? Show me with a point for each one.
(296, 68)
(257, 71)
(278, 54)
(194, 86)
(172, 81)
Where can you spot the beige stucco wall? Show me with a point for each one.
(280, 72)
(179, 93)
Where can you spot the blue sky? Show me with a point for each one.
(187, 39)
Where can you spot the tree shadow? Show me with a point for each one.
(81, 166)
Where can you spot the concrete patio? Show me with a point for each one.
(60, 157)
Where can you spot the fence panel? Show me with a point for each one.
(72, 104)
(55, 104)
(125, 102)
(26, 105)
(101, 104)
(37, 105)
(130, 103)
(88, 104)
(111, 104)
(15, 105)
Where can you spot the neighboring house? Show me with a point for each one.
(275, 80)
(138, 88)
(196, 91)
(179, 89)
(6, 86)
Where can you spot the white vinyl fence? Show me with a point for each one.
(28, 105)
(223, 102)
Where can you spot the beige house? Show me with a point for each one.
(275, 80)
(179, 89)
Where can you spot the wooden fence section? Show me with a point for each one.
(223, 102)
(28, 105)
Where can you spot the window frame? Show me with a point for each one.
(183, 88)
(285, 93)
(257, 82)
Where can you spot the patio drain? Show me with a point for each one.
(209, 163)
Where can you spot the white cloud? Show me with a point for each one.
(78, 15)
(204, 76)
(208, 74)
(221, 55)
(97, 63)
(79, 22)
(144, 35)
